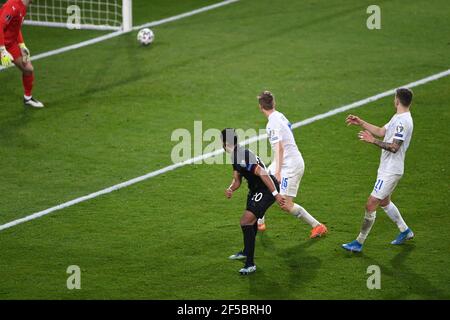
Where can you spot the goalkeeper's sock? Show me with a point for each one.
(27, 80)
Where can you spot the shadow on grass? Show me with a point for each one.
(10, 129)
(299, 269)
(414, 282)
(411, 282)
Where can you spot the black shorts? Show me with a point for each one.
(259, 201)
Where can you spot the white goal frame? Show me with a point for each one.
(126, 23)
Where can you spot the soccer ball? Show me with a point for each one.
(145, 36)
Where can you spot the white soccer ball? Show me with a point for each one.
(145, 36)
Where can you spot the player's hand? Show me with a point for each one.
(280, 200)
(366, 136)
(26, 55)
(228, 193)
(353, 120)
(6, 58)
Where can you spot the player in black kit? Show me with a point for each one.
(263, 192)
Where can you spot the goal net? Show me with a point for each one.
(81, 14)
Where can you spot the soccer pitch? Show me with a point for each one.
(111, 109)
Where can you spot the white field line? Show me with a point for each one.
(120, 32)
(217, 152)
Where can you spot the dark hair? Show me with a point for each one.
(404, 95)
(229, 136)
(266, 100)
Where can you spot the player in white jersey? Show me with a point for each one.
(397, 135)
(288, 165)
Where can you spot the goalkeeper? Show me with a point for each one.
(12, 46)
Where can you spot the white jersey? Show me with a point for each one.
(279, 129)
(401, 128)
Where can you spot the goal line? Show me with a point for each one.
(121, 32)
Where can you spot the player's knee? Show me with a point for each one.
(247, 219)
(288, 204)
(28, 68)
(371, 205)
(385, 202)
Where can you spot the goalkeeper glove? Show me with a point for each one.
(25, 52)
(5, 57)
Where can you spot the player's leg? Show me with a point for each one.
(262, 220)
(248, 222)
(27, 81)
(261, 224)
(242, 255)
(369, 219)
(394, 214)
(257, 204)
(289, 189)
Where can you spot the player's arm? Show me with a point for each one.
(235, 184)
(278, 147)
(279, 155)
(5, 18)
(373, 129)
(393, 146)
(23, 48)
(264, 175)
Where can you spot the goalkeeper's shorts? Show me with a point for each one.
(14, 49)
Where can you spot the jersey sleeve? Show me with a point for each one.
(20, 37)
(6, 15)
(400, 131)
(273, 132)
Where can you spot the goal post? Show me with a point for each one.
(82, 14)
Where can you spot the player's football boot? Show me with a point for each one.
(32, 102)
(353, 246)
(247, 270)
(238, 256)
(261, 227)
(403, 236)
(318, 231)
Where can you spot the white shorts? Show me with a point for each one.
(289, 185)
(385, 185)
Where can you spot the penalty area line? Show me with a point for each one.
(120, 32)
(175, 166)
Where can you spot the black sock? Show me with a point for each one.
(255, 227)
(249, 244)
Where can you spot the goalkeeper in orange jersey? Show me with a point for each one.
(12, 46)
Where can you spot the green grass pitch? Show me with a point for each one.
(111, 109)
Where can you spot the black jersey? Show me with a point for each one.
(245, 162)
